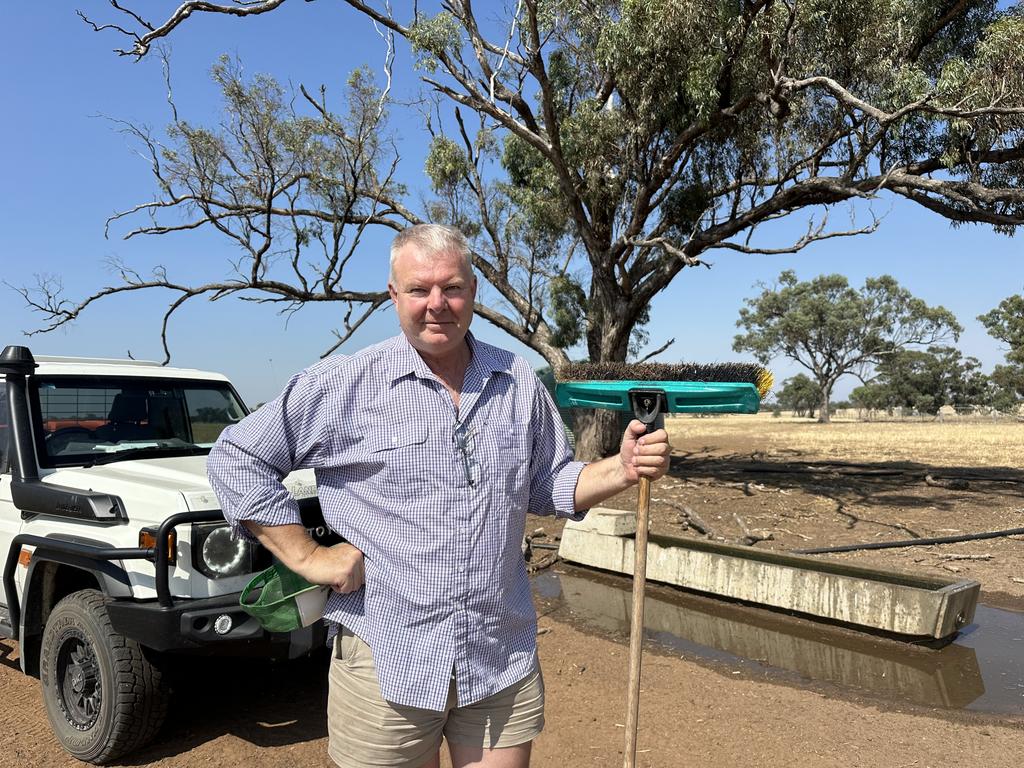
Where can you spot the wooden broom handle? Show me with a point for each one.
(636, 629)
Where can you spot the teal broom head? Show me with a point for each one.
(686, 387)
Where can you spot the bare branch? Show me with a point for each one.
(508, 42)
(167, 316)
(814, 234)
(100, 27)
(143, 42)
(386, 20)
(132, 13)
(166, 64)
(923, 104)
(673, 250)
(539, 338)
(352, 327)
(389, 60)
(656, 352)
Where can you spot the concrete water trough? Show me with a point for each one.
(702, 627)
(898, 603)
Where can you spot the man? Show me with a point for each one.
(429, 449)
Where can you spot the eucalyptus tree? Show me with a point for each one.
(596, 149)
(1006, 323)
(832, 329)
(800, 395)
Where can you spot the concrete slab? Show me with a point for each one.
(611, 522)
(865, 597)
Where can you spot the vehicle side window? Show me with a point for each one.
(210, 411)
(5, 431)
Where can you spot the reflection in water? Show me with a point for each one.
(983, 670)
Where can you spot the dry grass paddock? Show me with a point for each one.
(974, 443)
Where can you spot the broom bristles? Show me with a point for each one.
(750, 373)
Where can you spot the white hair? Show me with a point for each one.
(431, 240)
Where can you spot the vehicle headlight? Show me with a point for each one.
(217, 554)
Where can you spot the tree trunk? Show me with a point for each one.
(824, 417)
(598, 433)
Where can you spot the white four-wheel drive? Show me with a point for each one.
(115, 555)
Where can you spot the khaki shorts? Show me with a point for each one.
(368, 732)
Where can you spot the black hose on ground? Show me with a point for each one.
(911, 542)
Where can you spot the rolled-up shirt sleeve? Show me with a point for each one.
(248, 462)
(553, 472)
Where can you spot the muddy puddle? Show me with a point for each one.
(982, 670)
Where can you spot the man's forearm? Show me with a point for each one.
(291, 544)
(339, 566)
(600, 480)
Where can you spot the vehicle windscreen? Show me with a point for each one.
(96, 420)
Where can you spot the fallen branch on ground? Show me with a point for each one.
(690, 518)
(951, 484)
(542, 563)
(794, 533)
(750, 538)
(853, 520)
(746, 486)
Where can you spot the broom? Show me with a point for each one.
(649, 391)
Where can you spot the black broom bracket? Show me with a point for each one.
(649, 406)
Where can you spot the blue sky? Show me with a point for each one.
(68, 169)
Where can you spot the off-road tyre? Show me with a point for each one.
(103, 697)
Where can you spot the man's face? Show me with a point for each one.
(433, 297)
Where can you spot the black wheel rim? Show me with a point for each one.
(79, 689)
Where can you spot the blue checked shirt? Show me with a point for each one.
(435, 500)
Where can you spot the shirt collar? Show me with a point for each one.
(405, 360)
(484, 357)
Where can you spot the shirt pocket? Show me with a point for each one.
(513, 442)
(402, 450)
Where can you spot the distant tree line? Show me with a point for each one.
(926, 380)
(894, 342)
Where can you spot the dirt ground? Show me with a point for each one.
(736, 487)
